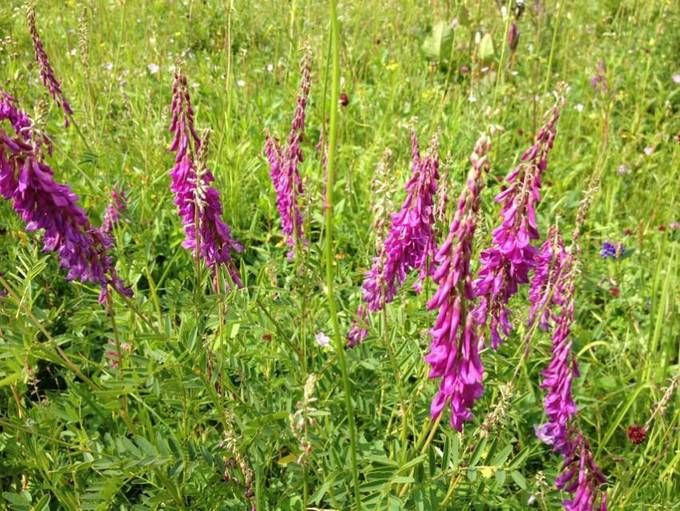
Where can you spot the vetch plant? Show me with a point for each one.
(198, 203)
(410, 242)
(47, 74)
(284, 165)
(43, 204)
(116, 207)
(454, 352)
(506, 264)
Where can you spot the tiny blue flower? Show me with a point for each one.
(611, 250)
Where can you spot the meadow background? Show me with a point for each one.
(154, 433)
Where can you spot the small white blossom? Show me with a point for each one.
(153, 68)
(241, 83)
(322, 339)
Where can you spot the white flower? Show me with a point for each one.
(241, 83)
(270, 68)
(649, 150)
(108, 66)
(578, 107)
(322, 340)
(676, 78)
(153, 68)
(472, 98)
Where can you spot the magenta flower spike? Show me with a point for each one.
(582, 478)
(47, 75)
(506, 264)
(116, 207)
(43, 204)
(410, 243)
(198, 203)
(552, 303)
(454, 352)
(284, 165)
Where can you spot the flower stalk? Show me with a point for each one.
(329, 252)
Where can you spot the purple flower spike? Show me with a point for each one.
(46, 205)
(506, 264)
(410, 242)
(116, 207)
(454, 352)
(198, 203)
(47, 75)
(512, 37)
(284, 163)
(543, 291)
(599, 80)
(582, 478)
(359, 329)
(552, 304)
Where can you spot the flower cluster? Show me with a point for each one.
(284, 163)
(582, 478)
(599, 80)
(551, 288)
(549, 264)
(198, 203)
(28, 182)
(410, 242)
(47, 75)
(454, 353)
(116, 207)
(611, 250)
(552, 304)
(506, 264)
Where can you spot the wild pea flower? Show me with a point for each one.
(47, 75)
(359, 329)
(28, 182)
(552, 297)
(513, 36)
(544, 291)
(198, 203)
(410, 242)
(284, 163)
(116, 207)
(382, 192)
(611, 250)
(551, 288)
(506, 264)
(599, 80)
(454, 352)
(582, 478)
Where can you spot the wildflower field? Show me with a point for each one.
(339, 255)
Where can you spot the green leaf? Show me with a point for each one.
(519, 479)
(437, 45)
(486, 51)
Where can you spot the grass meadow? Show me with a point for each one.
(198, 394)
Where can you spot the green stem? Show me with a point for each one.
(330, 177)
(552, 47)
